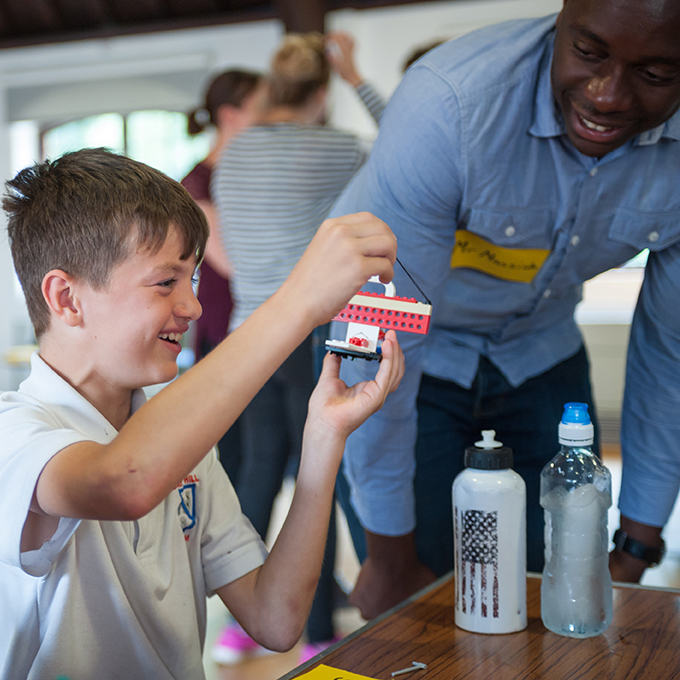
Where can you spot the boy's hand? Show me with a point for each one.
(343, 255)
(337, 409)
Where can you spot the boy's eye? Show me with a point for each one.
(168, 283)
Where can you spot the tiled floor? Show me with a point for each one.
(271, 667)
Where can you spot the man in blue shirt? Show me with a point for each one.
(514, 164)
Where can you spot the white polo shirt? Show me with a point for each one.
(108, 599)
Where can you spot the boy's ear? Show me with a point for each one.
(59, 291)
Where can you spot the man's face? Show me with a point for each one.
(616, 69)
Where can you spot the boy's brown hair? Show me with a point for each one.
(85, 213)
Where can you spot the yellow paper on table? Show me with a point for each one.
(327, 673)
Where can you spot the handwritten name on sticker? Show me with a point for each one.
(327, 673)
(511, 264)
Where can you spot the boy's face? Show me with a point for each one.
(136, 323)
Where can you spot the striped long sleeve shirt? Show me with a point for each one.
(273, 187)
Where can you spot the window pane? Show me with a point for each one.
(160, 139)
(104, 130)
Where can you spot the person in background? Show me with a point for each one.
(273, 187)
(513, 164)
(231, 104)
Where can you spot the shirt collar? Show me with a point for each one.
(47, 386)
(548, 121)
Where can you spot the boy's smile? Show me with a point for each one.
(132, 329)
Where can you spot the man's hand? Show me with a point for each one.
(390, 574)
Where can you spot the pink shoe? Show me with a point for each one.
(311, 649)
(233, 645)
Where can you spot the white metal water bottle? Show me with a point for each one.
(576, 590)
(489, 523)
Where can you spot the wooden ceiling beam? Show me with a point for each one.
(302, 16)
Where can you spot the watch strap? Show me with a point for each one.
(647, 553)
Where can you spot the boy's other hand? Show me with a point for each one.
(337, 409)
(345, 252)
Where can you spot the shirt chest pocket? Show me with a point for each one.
(513, 227)
(508, 245)
(655, 231)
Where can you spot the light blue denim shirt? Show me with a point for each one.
(473, 139)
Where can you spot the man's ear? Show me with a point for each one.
(59, 292)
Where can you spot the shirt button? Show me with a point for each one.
(546, 293)
(593, 172)
(653, 236)
(510, 231)
(575, 240)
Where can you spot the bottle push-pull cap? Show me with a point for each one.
(576, 429)
(488, 440)
(488, 454)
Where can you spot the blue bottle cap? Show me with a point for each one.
(576, 412)
(576, 429)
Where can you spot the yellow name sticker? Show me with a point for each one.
(511, 264)
(327, 673)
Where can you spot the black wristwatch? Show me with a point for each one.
(622, 541)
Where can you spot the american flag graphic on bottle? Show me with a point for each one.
(476, 575)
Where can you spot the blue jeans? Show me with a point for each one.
(451, 418)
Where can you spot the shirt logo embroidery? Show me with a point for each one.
(187, 504)
(511, 264)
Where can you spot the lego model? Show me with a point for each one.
(369, 315)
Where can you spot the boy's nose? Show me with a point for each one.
(188, 307)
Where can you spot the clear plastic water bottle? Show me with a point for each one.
(489, 521)
(576, 591)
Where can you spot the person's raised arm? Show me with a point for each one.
(273, 602)
(163, 441)
(340, 54)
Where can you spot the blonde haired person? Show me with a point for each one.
(273, 187)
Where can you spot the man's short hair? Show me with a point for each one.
(85, 213)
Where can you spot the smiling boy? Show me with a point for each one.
(118, 520)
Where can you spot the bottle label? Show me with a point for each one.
(476, 577)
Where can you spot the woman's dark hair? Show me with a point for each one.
(229, 88)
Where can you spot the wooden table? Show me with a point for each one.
(643, 642)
